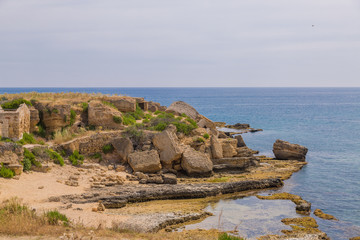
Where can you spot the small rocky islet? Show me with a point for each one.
(88, 155)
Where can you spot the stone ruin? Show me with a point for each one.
(15, 122)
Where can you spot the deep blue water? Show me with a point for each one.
(326, 120)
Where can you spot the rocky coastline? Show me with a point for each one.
(88, 154)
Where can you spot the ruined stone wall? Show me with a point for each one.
(13, 123)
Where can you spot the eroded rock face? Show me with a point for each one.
(229, 147)
(216, 147)
(54, 116)
(196, 163)
(240, 141)
(168, 144)
(287, 151)
(180, 107)
(124, 147)
(124, 104)
(34, 118)
(153, 106)
(146, 161)
(103, 115)
(10, 153)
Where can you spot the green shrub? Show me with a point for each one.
(206, 135)
(85, 106)
(58, 159)
(145, 120)
(184, 115)
(108, 148)
(137, 136)
(117, 119)
(29, 138)
(30, 156)
(192, 122)
(76, 158)
(128, 119)
(225, 236)
(41, 131)
(14, 104)
(110, 104)
(54, 218)
(6, 172)
(26, 164)
(92, 128)
(55, 110)
(158, 112)
(183, 127)
(161, 126)
(199, 140)
(72, 117)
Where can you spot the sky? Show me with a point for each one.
(179, 43)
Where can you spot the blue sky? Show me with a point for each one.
(179, 43)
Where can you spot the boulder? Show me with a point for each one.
(168, 144)
(196, 163)
(153, 106)
(55, 116)
(123, 104)
(216, 147)
(146, 161)
(287, 151)
(206, 123)
(181, 107)
(124, 147)
(102, 115)
(244, 152)
(10, 153)
(169, 178)
(240, 140)
(229, 147)
(239, 126)
(16, 168)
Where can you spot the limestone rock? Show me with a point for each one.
(240, 141)
(216, 147)
(169, 178)
(103, 115)
(229, 147)
(147, 161)
(124, 147)
(153, 106)
(123, 104)
(34, 118)
(287, 151)
(167, 143)
(54, 116)
(17, 168)
(206, 123)
(10, 153)
(180, 107)
(196, 163)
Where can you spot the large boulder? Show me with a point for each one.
(168, 144)
(153, 106)
(123, 147)
(229, 147)
(146, 161)
(196, 163)
(181, 107)
(123, 104)
(216, 147)
(103, 115)
(54, 116)
(10, 153)
(240, 141)
(34, 119)
(287, 151)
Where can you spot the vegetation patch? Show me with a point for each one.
(15, 104)
(76, 158)
(72, 117)
(85, 107)
(30, 156)
(110, 105)
(117, 119)
(6, 172)
(56, 157)
(27, 138)
(206, 136)
(56, 218)
(136, 135)
(225, 236)
(128, 119)
(108, 148)
(199, 140)
(219, 180)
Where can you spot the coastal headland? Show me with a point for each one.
(119, 166)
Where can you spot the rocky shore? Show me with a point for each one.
(88, 154)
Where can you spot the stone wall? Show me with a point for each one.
(13, 123)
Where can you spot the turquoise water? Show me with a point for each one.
(326, 120)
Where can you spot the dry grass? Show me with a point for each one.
(18, 219)
(67, 134)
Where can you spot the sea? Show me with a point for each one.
(325, 120)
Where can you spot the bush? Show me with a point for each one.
(128, 119)
(26, 164)
(183, 127)
(30, 156)
(41, 132)
(14, 104)
(192, 122)
(54, 218)
(108, 148)
(76, 158)
(58, 159)
(117, 119)
(161, 126)
(137, 136)
(200, 140)
(225, 236)
(158, 112)
(97, 156)
(6, 172)
(85, 107)
(72, 117)
(27, 139)
(206, 136)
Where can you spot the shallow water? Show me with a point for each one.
(326, 120)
